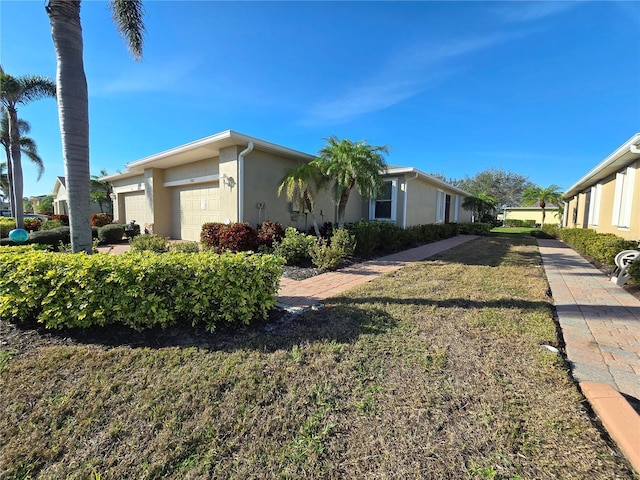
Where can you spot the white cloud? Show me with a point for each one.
(402, 77)
(520, 12)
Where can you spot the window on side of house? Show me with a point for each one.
(456, 209)
(594, 205)
(623, 196)
(384, 207)
(441, 204)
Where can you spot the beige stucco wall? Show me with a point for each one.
(158, 203)
(201, 168)
(228, 165)
(422, 202)
(534, 214)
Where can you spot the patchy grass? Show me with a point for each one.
(515, 230)
(435, 371)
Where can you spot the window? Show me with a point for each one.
(441, 205)
(594, 205)
(456, 209)
(384, 207)
(623, 195)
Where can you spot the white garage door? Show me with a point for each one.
(191, 207)
(134, 207)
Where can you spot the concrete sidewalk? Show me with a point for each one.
(600, 325)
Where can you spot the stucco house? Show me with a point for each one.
(61, 200)
(530, 213)
(607, 198)
(232, 177)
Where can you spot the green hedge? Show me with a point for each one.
(139, 290)
(603, 247)
(477, 228)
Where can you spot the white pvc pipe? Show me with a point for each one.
(246, 151)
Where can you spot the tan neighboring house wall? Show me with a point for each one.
(607, 199)
(531, 213)
(231, 177)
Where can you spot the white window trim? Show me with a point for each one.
(623, 196)
(394, 202)
(441, 202)
(594, 204)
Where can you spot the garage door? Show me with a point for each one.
(191, 207)
(134, 207)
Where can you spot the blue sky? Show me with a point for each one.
(543, 89)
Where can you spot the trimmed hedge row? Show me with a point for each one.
(139, 290)
(603, 247)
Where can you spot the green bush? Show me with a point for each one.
(51, 224)
(151, 243)
(477, 228)
(138, 289)
(634, 271)
(552, 230)
(112, 233)
(184, 247)
(51, 237)
(326, 257)
(6, 225)
(32, 224)
(294, 247)
(603, 247)
(344, 242)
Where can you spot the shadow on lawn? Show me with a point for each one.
(340, 323)
(492, 251)
(453, 302)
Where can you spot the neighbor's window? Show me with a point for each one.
(441, 205)
(384, 207)
(622, 198)
(594, 204)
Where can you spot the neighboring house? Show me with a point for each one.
(607, 199)
(61, 200)
(232, 177)
(530, 213)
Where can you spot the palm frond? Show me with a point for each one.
(128, 17)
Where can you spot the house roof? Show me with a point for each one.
(623, 156)
(60, 181)
(204, 148)
(424, 176)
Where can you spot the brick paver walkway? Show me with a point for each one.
(305, 293)
(600, 321)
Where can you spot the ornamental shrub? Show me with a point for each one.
(294, 247)
(31, 224)
(184, 247)
(477, 228)
(326, 257)
(551, 229)
(51, 237)
(63, 218)
(634, 271)
(150, 243)
(51, 224)
(602, 247)
(269, 232)
(111, 233)
(6, 225)
(101, 219)
(235, 237)
(344, 242)
(138, 289)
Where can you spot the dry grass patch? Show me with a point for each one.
(432, 372)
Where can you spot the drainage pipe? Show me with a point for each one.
(246, 151)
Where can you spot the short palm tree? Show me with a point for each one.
(482, 203)
(348, 164)
(27, 147)
(100, 191)
(299, 184)
(73, 100)
(535, 194)
(16, 91)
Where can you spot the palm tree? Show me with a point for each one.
(100, 191)
(536, 194)
(73, 102)
(349, 164)
(27, 147)
(482, 203)
(16, 91)
(297, 184)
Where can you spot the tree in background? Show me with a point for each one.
(348, 164)
(299, 184)
(27, 147)
(45, 206)
(101, 191)
(541, 195)
(16, 91)
(73, 101)
(505, 187)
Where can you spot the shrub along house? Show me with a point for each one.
(232, 177)
(607, 199)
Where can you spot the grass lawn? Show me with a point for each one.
(435, 371)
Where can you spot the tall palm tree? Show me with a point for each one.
(73, 101)
(537, 194)
(27, 147)
(16, 91)
(482, 203)
(298, 183)
(100, 191)
(350, 164)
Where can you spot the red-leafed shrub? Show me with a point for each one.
(269, 232)
(31, 224)
(101, 219)
(63, 218)
(236, 237)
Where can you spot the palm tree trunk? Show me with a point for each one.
(309, 205)
(10, 179)
(16, 167)
(73, 113)
(342, 205)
